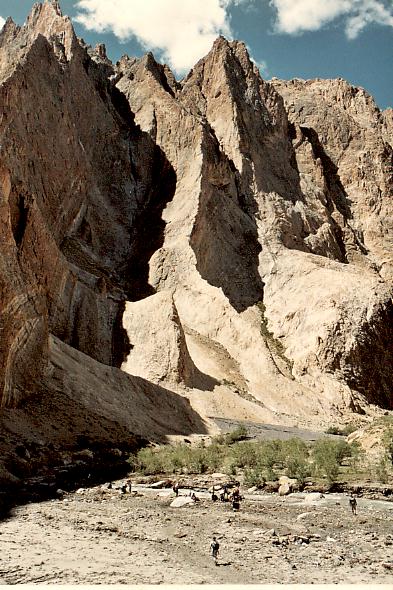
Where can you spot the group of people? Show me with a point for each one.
(227, 496)
(123, 489)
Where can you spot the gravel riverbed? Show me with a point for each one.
(98, 536)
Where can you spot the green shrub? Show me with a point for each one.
(299, 468)
(344, 431)
(244, 454)
(274, 344)
(381, 470)
(240, 433)
(133, 462)
(333, 430)
(254, 477)
(294, 457)
(269, 474)
(150, 461)
(260, 460)
(328, 456)
(343, 450)
(220, 439)
(269, 454)
(229, 466)
(349, 428)
(357, 455)
(215, 456)
(294, 446)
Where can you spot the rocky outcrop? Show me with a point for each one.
(348, 135)
(76, 176)
(346, 138)
(388, 126)
(222, 238)
(161, 353)
(262, 250)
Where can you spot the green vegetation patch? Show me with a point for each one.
(342, 431)
(273, 343)
(257, 461)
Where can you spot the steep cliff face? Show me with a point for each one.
(269, 250)
(71, 196)
(223, 238)
(348, 138)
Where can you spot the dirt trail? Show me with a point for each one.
(99, 536)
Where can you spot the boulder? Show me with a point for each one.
(181, 501)
(284, 489)
(164, 483)
(287, 480)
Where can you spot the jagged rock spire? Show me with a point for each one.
(56, 6)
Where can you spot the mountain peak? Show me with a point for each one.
(56, 6)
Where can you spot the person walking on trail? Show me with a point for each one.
(224, 495)
(214, 549)
(353, 504)
(175, 488)
(236, 497)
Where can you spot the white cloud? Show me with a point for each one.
(2, 21)
(296, 16)
(181, 30)
(370, 11)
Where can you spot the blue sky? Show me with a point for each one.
(351, 39)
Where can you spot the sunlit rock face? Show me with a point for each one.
(277, 244)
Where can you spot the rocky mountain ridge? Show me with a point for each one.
(224, 241)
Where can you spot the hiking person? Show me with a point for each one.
(175, 488)
(353, 504)
(214, 549)
(224, 495)
(214, 495)
(236, 497)
(194, 498)
(129, 484)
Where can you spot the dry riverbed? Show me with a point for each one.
(99, 536)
